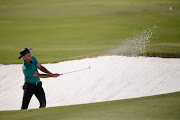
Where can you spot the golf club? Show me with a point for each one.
(75, 71)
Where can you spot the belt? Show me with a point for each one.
(34, 84)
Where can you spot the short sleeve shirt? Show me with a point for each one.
(29, 70)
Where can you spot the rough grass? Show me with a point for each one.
(62, 30)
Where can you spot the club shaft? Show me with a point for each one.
(75, 71)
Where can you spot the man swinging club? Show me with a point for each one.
(32, 84)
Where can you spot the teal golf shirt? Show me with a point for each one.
(29, 69)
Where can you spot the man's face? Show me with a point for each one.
(27, 57)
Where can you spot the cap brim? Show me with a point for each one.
(20, 57)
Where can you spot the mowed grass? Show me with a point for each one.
(61, 30)
(160, 107)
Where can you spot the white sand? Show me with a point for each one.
(110, 78)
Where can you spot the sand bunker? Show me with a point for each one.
(110, 78)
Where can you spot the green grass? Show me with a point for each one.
(61, 30)
(159, 107)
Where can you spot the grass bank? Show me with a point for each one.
(63, 30)
(159, 107)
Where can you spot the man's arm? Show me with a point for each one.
(36, 74)
(43, 69)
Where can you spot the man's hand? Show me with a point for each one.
(45, 75)
(55, 75)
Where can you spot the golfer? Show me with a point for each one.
(32, 84)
